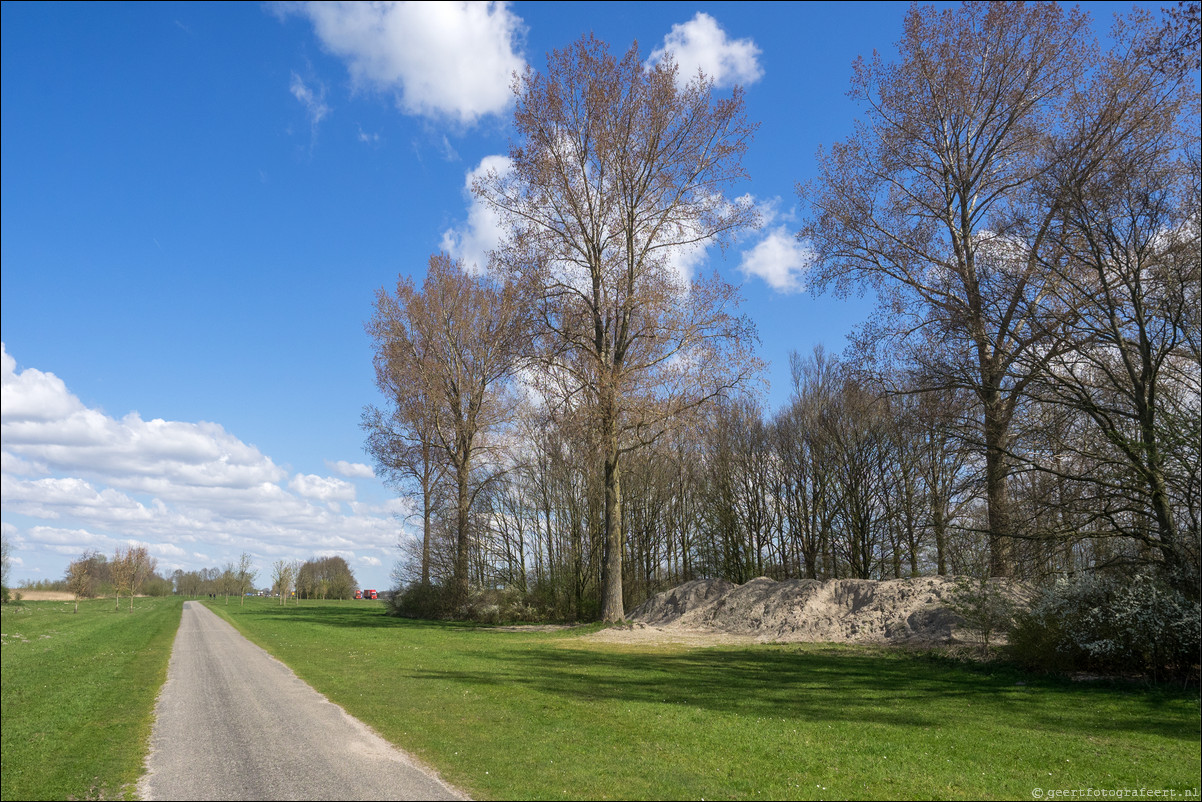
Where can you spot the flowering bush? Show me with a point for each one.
(1110, 624)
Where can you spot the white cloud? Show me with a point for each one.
(701, 44)
(314, 102)
(370, 139)
(322, 488)
(483, 230)
(452, 60)
(780, 260)
(351, 470)
(76, 478)
(32, 395)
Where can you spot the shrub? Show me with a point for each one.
(1114, 625)
(985, 608)
(419, 601)
(484, 606)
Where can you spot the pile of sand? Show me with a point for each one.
(839, 610)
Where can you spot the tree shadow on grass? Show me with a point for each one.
(810, 682)
(822, 685)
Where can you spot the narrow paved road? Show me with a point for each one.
(232, 722)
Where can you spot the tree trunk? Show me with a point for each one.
(461, 540)
(996, 473)
(940, 526)
(425, 531)
(612, 606)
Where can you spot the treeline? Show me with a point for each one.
(325, 578)
(580, 425)
(848, 480)
(131, 571)
(316, 578)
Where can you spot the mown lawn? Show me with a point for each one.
(527, 715)
(78, 694)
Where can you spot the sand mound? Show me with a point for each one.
(839, 610)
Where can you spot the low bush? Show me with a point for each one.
(1129, 625)
(419, 601)
(483, 605)
(986, 608)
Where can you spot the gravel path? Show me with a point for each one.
(232, 722)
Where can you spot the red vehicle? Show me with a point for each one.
(358, 594)
(369, 594)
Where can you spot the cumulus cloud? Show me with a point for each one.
(702, 44)
(322, 488)
(351, 470)
(32, 396)
(446, 60)
(482, 231)
(780, 260)
(193, 492)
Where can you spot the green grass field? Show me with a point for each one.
(78, 694)
(547, 715)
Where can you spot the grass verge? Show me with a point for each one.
(522, 715)
(78, 694)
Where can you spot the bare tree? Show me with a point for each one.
(228, 581)
(1175, 46)
(455, 344)
(617, 176)
(5, 565)
(1127, 265)
(81, 579)
(141, 568)
(283, 577)
(123, 567)
(403, 440)
(246, 576)
(935, 201)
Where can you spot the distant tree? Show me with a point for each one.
(5, 566)
(617, 177)
(246, 574)
(144, 567)
(131, 568)
(228, 582)
(123, 568)
(325, 578)
(284, 576)
(81, 580)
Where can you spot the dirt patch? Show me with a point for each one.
(703, 612)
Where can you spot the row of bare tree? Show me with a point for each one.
(579, 421)
(233, 580)
(130, 569)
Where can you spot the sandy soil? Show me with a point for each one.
(709, 612)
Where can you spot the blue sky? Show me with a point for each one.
(199, 201)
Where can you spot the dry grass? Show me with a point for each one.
(45, 595)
